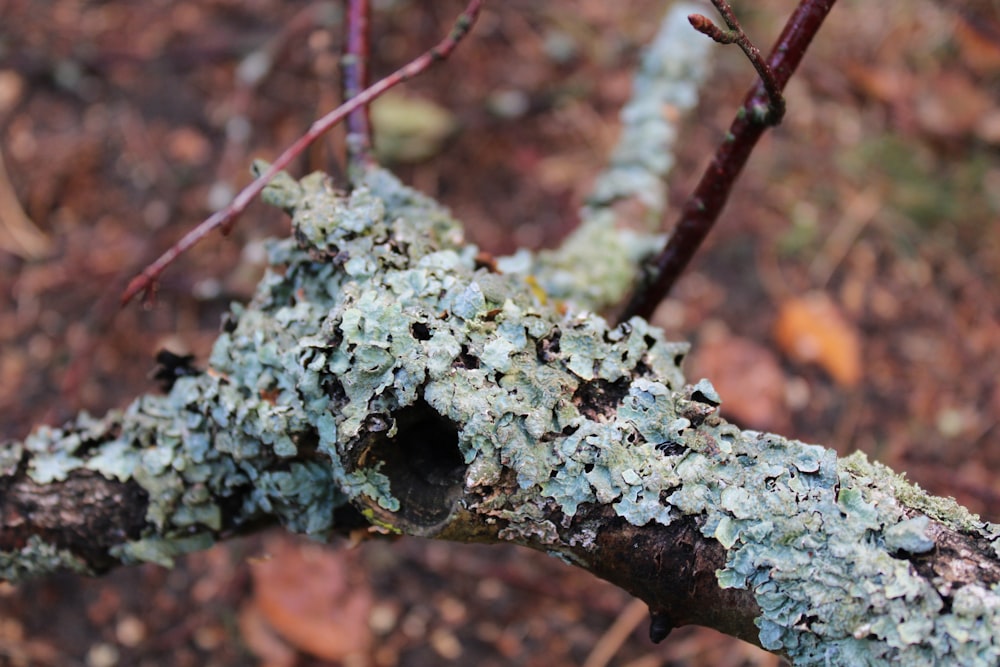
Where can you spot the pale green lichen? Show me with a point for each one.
(52, 454)
(327, 345)
(35, 557)
(817, 545)
(596, 265)
(402, 326)
(910, 536)
(665, 86)
(160, 550)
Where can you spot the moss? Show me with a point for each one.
(943, 510)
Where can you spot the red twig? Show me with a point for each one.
(735, 35)
(702, 208)
(354, 66)
(225, 218)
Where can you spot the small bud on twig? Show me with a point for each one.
(704, 25)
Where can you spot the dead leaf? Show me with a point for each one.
(746, 375)
(950, 105)
(306, 594)
(988, 127)
(409, 129)
(18, 234)
(263, 641)
(188, 146)
(12, 88)
(979, 46)
(885, 83)
(811, 329)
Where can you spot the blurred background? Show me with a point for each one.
(850, 295)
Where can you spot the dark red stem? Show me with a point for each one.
(354, 68)
(225, 218)
(736, 36)
(703, 207)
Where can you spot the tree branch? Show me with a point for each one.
(354, 65)
(735, 35)
(381, 367)
(598, 264)
(703, 207)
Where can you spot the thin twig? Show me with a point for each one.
(612, 640)
(735, 35)
(354, 67)
(224, 218)
(18, 233)
(702, 208)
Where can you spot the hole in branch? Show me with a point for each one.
(466, 359)
(425, 468)
(547, 349)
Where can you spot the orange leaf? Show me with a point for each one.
(811, 329)
(304, 593)
(263, 641)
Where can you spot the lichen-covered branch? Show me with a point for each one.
(382, 367)
(387, 373)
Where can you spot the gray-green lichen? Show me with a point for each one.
(665, 87)
(413, 317)
(378, 304)
(37, 556)
(824, 551)
(595, 267)
(821, 543)
(329, 343)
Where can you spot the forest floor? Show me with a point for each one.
(850, 295)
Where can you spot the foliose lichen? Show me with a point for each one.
(595, 267)
(37, 556)
(376, 301)
(819, 542)
(823, 549)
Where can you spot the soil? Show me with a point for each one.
(873, 210)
